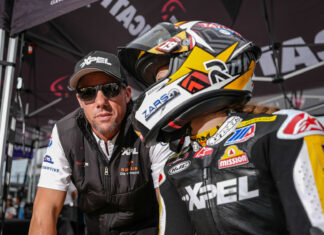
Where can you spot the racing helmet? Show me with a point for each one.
(210, 69)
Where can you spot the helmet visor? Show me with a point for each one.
(160, 33)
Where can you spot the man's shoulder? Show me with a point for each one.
(298, 124)
(68, 122)
(73, 115)
(286, 123)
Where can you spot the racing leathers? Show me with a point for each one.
(258, 174)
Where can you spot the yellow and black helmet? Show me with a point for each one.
(210, 68)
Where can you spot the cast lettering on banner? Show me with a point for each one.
(126, 13)
(292, 57)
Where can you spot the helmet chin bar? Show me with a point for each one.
(214, 101)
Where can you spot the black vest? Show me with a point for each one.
(118, 195)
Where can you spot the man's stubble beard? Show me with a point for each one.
(104, 131)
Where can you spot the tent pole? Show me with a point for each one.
(44, 107)
(6, 99)
(2, 42)
(32, 185)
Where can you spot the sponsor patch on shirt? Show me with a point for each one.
(179, 167)
(50, 142)
(241, 135)
(204, 151)
(258, 119)
(298, 125)
(233, 156)
(78, 163)
(48, 159)
(131, 169)
(225, 130)
(129, 151)
(48, 168)
(161, 178)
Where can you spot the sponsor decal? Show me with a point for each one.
(162, 177)
(48, 159)
(218, 71)
(48, 168)
(258, 119)
(176, 155)
(81, 163)
(303, 123)
(170, 45)
(232, 157)
(130, 169)
(195, 81)
(225, 130)
(129, 151)
(169, 8)
(179, 167)
(222, 192)
(159, 103)
(298, 124)
(241, 135)
(98, 60)
(204, 151)
(221, 28)
(50, 142)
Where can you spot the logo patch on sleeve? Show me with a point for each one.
(179, 167)
(241, 135)
(204, 151)
(161, 177)
(48, 159)
(300, 125)
(233, 156)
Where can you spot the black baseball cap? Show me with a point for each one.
(97, 61)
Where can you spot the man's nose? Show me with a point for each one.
(101, 99)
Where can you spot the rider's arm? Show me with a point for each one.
(159, 154)
(297, 168)
(47, 206)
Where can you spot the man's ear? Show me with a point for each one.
(128, 91)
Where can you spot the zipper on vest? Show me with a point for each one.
(107, 183)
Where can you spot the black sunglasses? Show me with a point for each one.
(89, 94)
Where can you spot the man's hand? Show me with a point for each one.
(47, 207)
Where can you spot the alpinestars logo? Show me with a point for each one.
(98, 60)
(223, 192)
(303, 123)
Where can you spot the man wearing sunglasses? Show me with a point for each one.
(97, 148)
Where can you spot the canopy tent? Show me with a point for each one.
(107, 24)
(57, 33)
